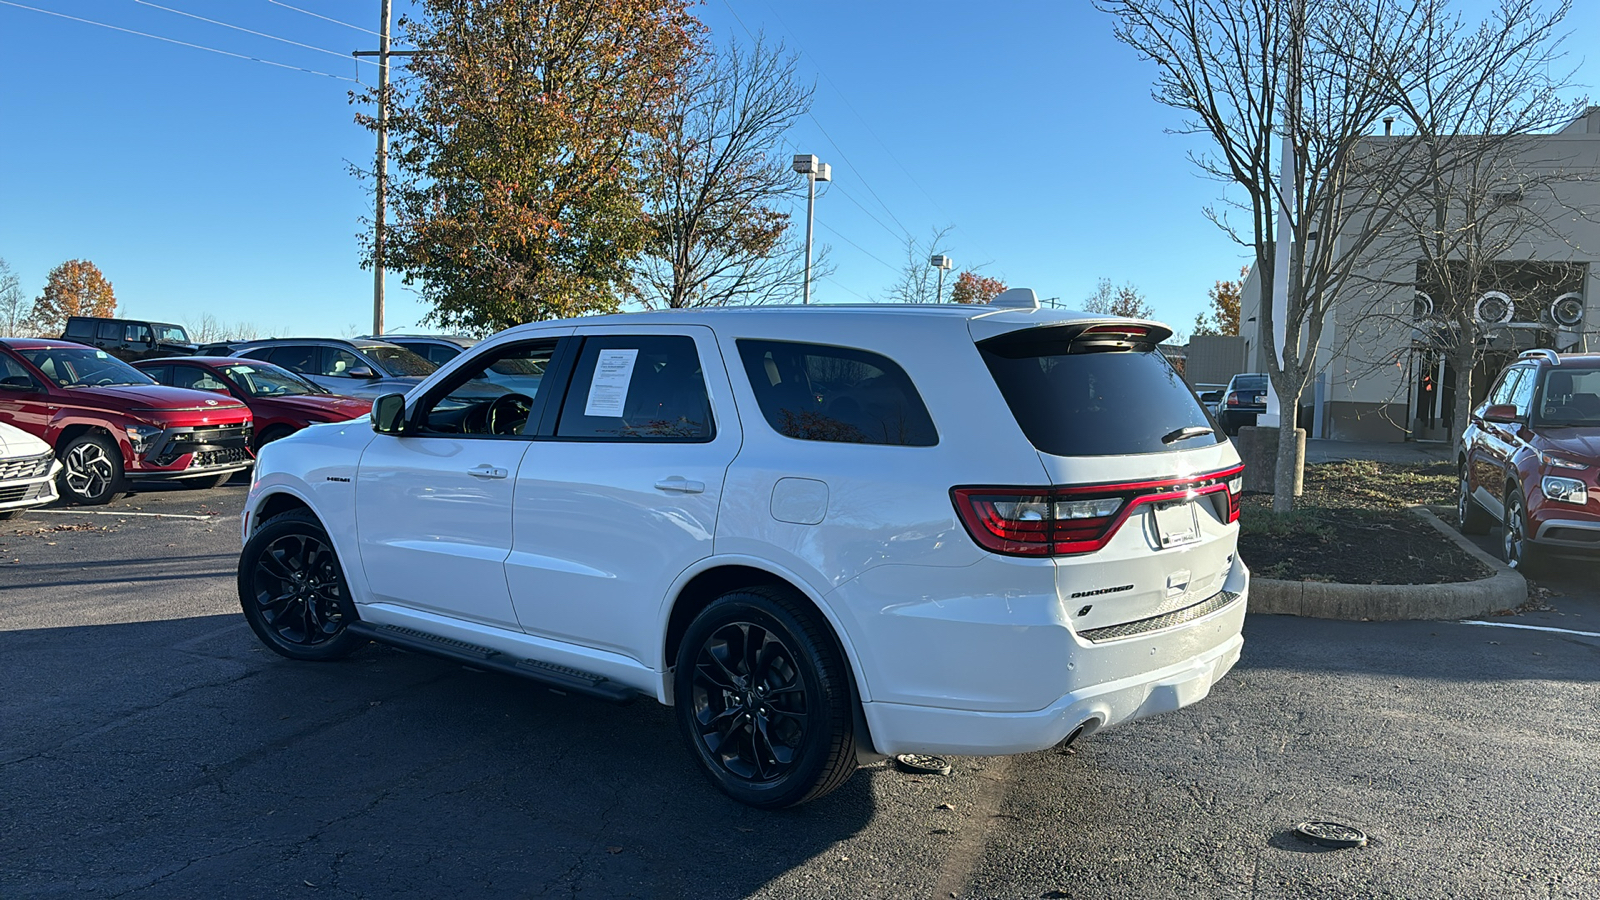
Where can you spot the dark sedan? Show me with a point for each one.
(1244, 399)
(281, 401)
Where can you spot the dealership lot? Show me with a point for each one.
(152, 748)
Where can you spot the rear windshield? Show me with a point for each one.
(399, 362)
(1106, 403)
(1250, 383)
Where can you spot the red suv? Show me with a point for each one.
(110, 424)
(1529, 458)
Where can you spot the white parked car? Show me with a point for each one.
(27, 472)
(821, 533)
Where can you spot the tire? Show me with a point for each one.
(91, 470)
(1470, 517)
(799, 744)
(270, 435)
(208, 482)
(293, 592)
(1520, 553)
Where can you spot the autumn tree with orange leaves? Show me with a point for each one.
(971, 287)
(517, 177)
(74, 288)
(1222, 315)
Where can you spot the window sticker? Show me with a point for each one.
(608, 392)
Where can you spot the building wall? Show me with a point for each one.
(1365, 355)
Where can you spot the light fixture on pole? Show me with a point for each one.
(943, 264)
(807, 165)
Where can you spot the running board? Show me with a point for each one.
(554, 676)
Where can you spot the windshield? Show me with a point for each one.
(262, 380)
(170, 333)
(399, 362)
(83, 367)
(1568, 397)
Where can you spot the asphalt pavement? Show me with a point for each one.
(151, 748)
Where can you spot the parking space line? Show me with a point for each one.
(73, 512)
(1536, 628)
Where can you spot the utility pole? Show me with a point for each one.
(381, 167)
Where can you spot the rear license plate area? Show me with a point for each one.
(1176, 523)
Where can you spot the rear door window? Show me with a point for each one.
(110, 331)
(1085, 401)
(294, 357)
(813, 392)
(637, 388)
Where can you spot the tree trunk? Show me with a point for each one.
(1463, 400)
(1288, 465)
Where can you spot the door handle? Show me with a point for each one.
(679, 484)
(487, 471)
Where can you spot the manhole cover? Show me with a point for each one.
(923, 765)
(1330, 834)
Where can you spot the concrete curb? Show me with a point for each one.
(1392, 602)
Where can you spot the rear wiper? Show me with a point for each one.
(1184, 433)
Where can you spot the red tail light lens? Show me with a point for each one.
(1233, 399)
(1070, 520)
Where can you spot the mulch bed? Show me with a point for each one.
(1352, 527)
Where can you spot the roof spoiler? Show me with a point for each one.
(1016, 298)
(1544, 354)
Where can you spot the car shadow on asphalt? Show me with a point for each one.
(189, 758)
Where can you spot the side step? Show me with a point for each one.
(549, 674)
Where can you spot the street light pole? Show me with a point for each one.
(943, 264)
(807, 165)
(382, 167)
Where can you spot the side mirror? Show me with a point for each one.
(389, 414)
(1500, 413)
(361, 372)
(18, 383)
(1210, 396)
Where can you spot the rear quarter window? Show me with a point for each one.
(813, 392)
(1105, 403)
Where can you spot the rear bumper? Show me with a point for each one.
(901, 728)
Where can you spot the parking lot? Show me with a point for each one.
(151, 747)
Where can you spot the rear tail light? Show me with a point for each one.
(1233, 399)
(1066, 521)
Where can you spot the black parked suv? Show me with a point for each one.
(129, 339)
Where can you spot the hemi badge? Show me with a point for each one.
(339, 478)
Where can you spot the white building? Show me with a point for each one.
(1379, 375)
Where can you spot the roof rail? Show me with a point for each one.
(1541, 354)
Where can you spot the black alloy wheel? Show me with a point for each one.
(764, 700)
(91, 470)
(293, 592)
(1519, 552)
(1470, 517)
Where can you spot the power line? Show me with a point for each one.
(857, 246)
(870, 130)
(324, 18)
(272, 37)
(860, 175)
(168, 40)
(841, 286)
(834, 186)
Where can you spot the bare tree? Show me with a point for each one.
(207, 328)
(15, 308)
(1118, 300)
(1475, 194)
(719, 181)
(1290, 80)
(919, 282)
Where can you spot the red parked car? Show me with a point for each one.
(281, 401)
(110, 424)
(1530, 455)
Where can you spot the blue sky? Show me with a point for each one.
(204, 183)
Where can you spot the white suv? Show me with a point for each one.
(818, 532)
